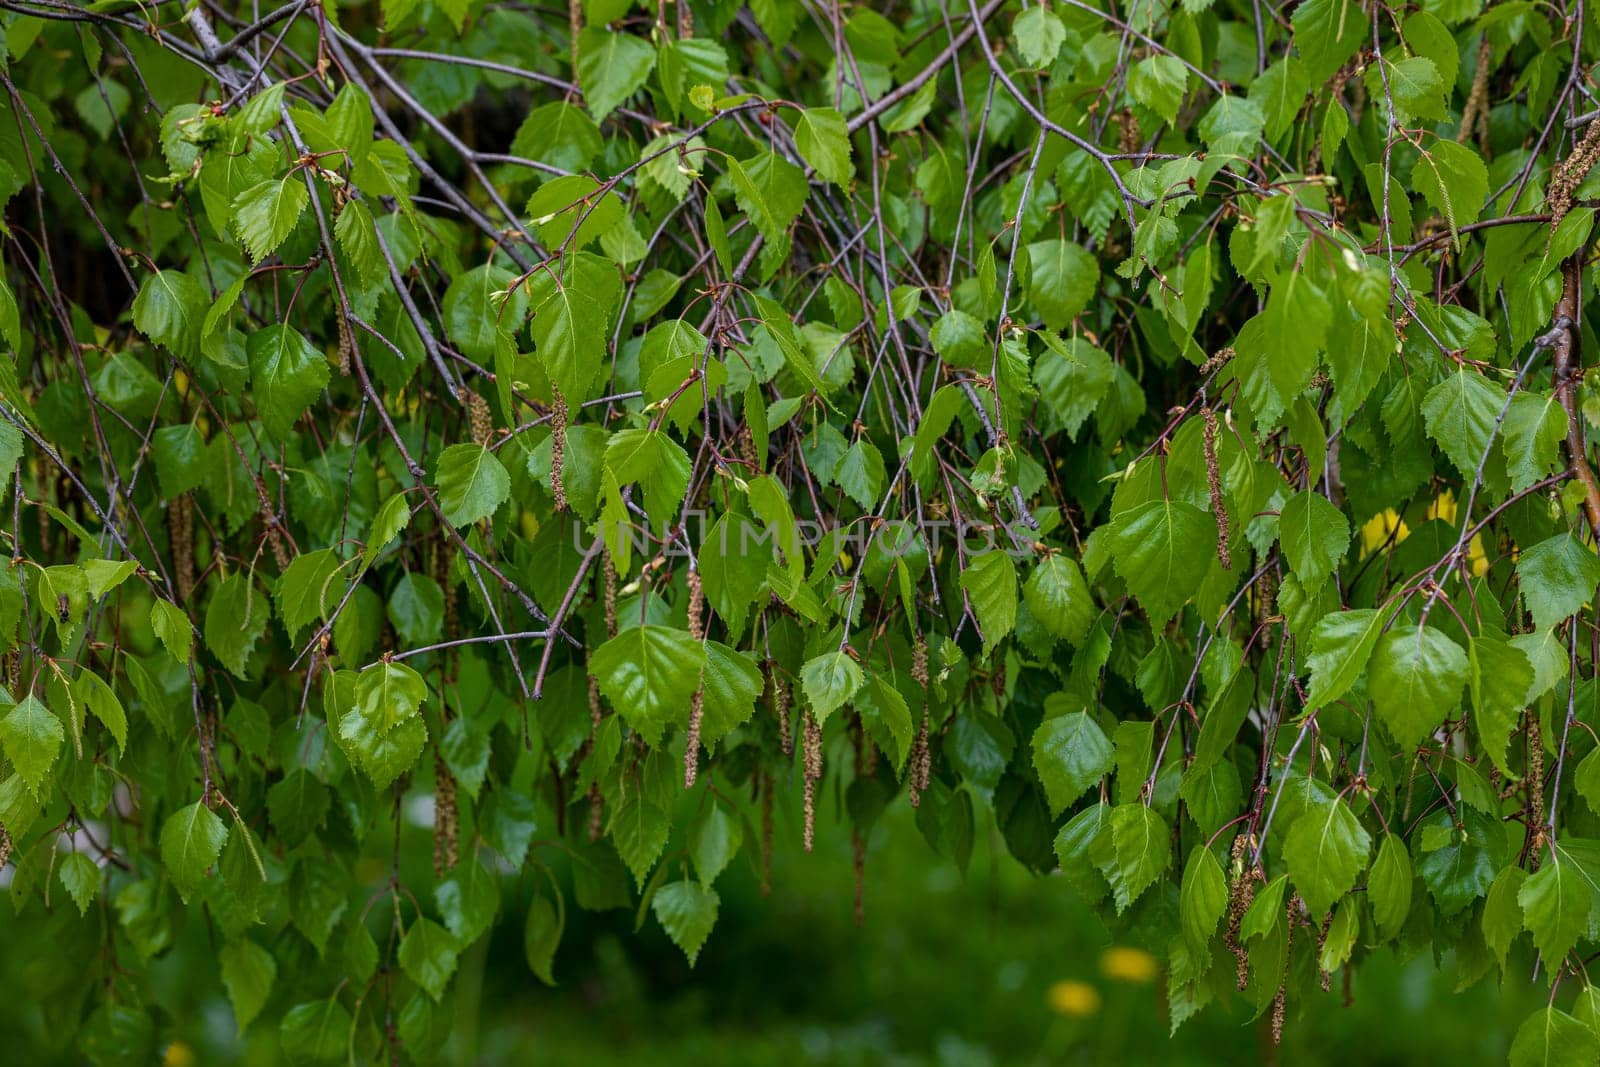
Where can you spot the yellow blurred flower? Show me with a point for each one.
(1069, 997)
(178, 1054)
(1128, 964)
(1375, 531)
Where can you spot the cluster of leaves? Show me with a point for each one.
(1156, 431)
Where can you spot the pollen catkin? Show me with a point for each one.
(608, 569)
(780, 702)
(180, 530)
(5, 847)
(1535, 770)
(347, 345)
(1281, 997)
(747, 448)
(1322, 946)
(596, 812)
(1475, 115)
(1570, 172)
(1240, 895)
(480, 424)
(1219, 507)
(921, 758)
(1216, 362)
(812, 755)
(1127, 131)
(697, 630)
(558, 448)
(444, 818)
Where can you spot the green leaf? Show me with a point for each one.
(1159, 83)
(308, 589)
(541, 936)
(1453, 179)
(1038, 36)
(770, 190)
(1062, 281)
(1163, 549)
(387, 695)
(1141, 849)
(481, 308)
(171, 627)
(1461, 412)
(654, 460)
(687, 911)
(1416, 680)
(1058, 597)
(248, 971)
(103, 703)
(1502, 914)
(648, 674)
(391, 519)
(830, 681)
(1534, 429)
(265, 214)
(1314, 535)
(319, 1031)
(714, 840)
(1557, 578)
(1202, 900)
(1552, 1038)
(860, 473)
(1070, 753)
(1326, 851)
(236, 619)
(80, 877)
(1501, 678)
(472, 484)
(286, 375)
(191, 842)
(611, 68)
(733, 566)
(31, 737)
(298, 805)
(990, 582)
(428, 956)
(1555, 906)
(572, 316)
(169, 310)
(1341, 645)
(1326, 34)
(1389, 886)
(824, 142)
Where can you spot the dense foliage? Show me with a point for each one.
(1154, 430)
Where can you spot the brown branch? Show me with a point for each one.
(1568, 371)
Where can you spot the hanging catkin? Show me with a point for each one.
(780, 703)
(1219, 507)
(921, 758)
(1240, 895)
(697, 630)
(558, 447)
(180, 531)
(812, 765)
(444, 817)
(480, 423)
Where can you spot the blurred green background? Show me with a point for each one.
(998, 967)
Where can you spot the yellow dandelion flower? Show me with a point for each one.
(1069, 997)
(178, 1054)
(1128, 964)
